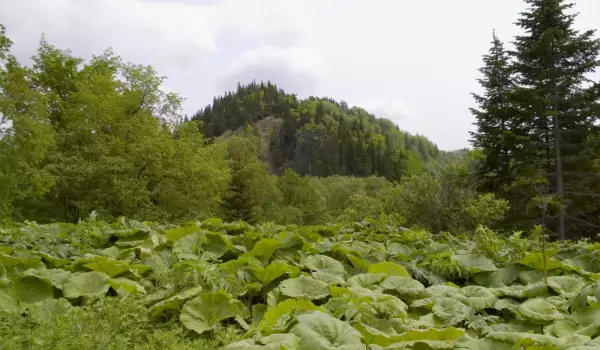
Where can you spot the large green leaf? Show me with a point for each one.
(534, 339)
(277, 317)
(468, 343)
(499, 278)
(522, 292)
(263, 250)
(133, 240)
(367, 280)
(567, 286)
(475, 262)
(433, 338)
(531, 276)
(273, 271)
(281, 341)
(28, 261)
(208, 309)
(125, 287)
(325, 268)
(479, 297)
(389, 306)
(451, 310)
(304, 287)
(32, 289)
(56, 277)
(561, 328)
(271, 342)
(587, 317)
(506, 304)
(202, 245)
(538, 261)
(400, 251)
(110, 267)
(46, 310)
(86, 284)
(404, 286)
(53, 261)
(389, 268)
(539, 311)
(444, 290)
(174, 303)
(437, 338)
(9, 302)
(175, 234)
(320, 331)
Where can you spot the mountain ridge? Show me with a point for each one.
(317, 136)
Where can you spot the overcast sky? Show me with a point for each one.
(412, 61)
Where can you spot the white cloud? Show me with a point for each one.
(294, 69)
(163, 33)
(395, 110)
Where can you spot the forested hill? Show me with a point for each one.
(316, 136)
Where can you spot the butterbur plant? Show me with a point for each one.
(538, 236)
(357, 286)
(487, 242)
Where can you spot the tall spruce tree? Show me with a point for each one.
(552, 61)
(493, 118)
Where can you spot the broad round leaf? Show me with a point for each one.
(32, 289)
(479, 297)
(304, 287)
(450, 310)
(273, 271)
(9, 303)
(367, 280)
(325, 268)
(110, 267)
(539, 311)
(320, 331)
(271, 319)
(124, 286)
(389, 268)
(46, 310)
(567, 286)
(174, 303)
(56, 277)
(208, 309)
(86, 284)
(404, 286)
(475, 263)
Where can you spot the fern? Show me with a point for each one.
(443, 266)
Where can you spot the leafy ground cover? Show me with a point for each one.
(369, 285)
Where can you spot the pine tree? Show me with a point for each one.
(494, 118)
(552, 61)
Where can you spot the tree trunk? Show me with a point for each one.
(559, 177)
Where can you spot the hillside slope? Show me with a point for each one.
(317, 136)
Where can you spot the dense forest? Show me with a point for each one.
(99, 137)
(317, 136)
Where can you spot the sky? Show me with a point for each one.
(414, 62)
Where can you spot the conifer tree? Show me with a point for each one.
(552, 62)
(494, 118)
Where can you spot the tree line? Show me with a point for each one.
(99, 136)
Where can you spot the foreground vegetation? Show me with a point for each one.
(368, 285)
